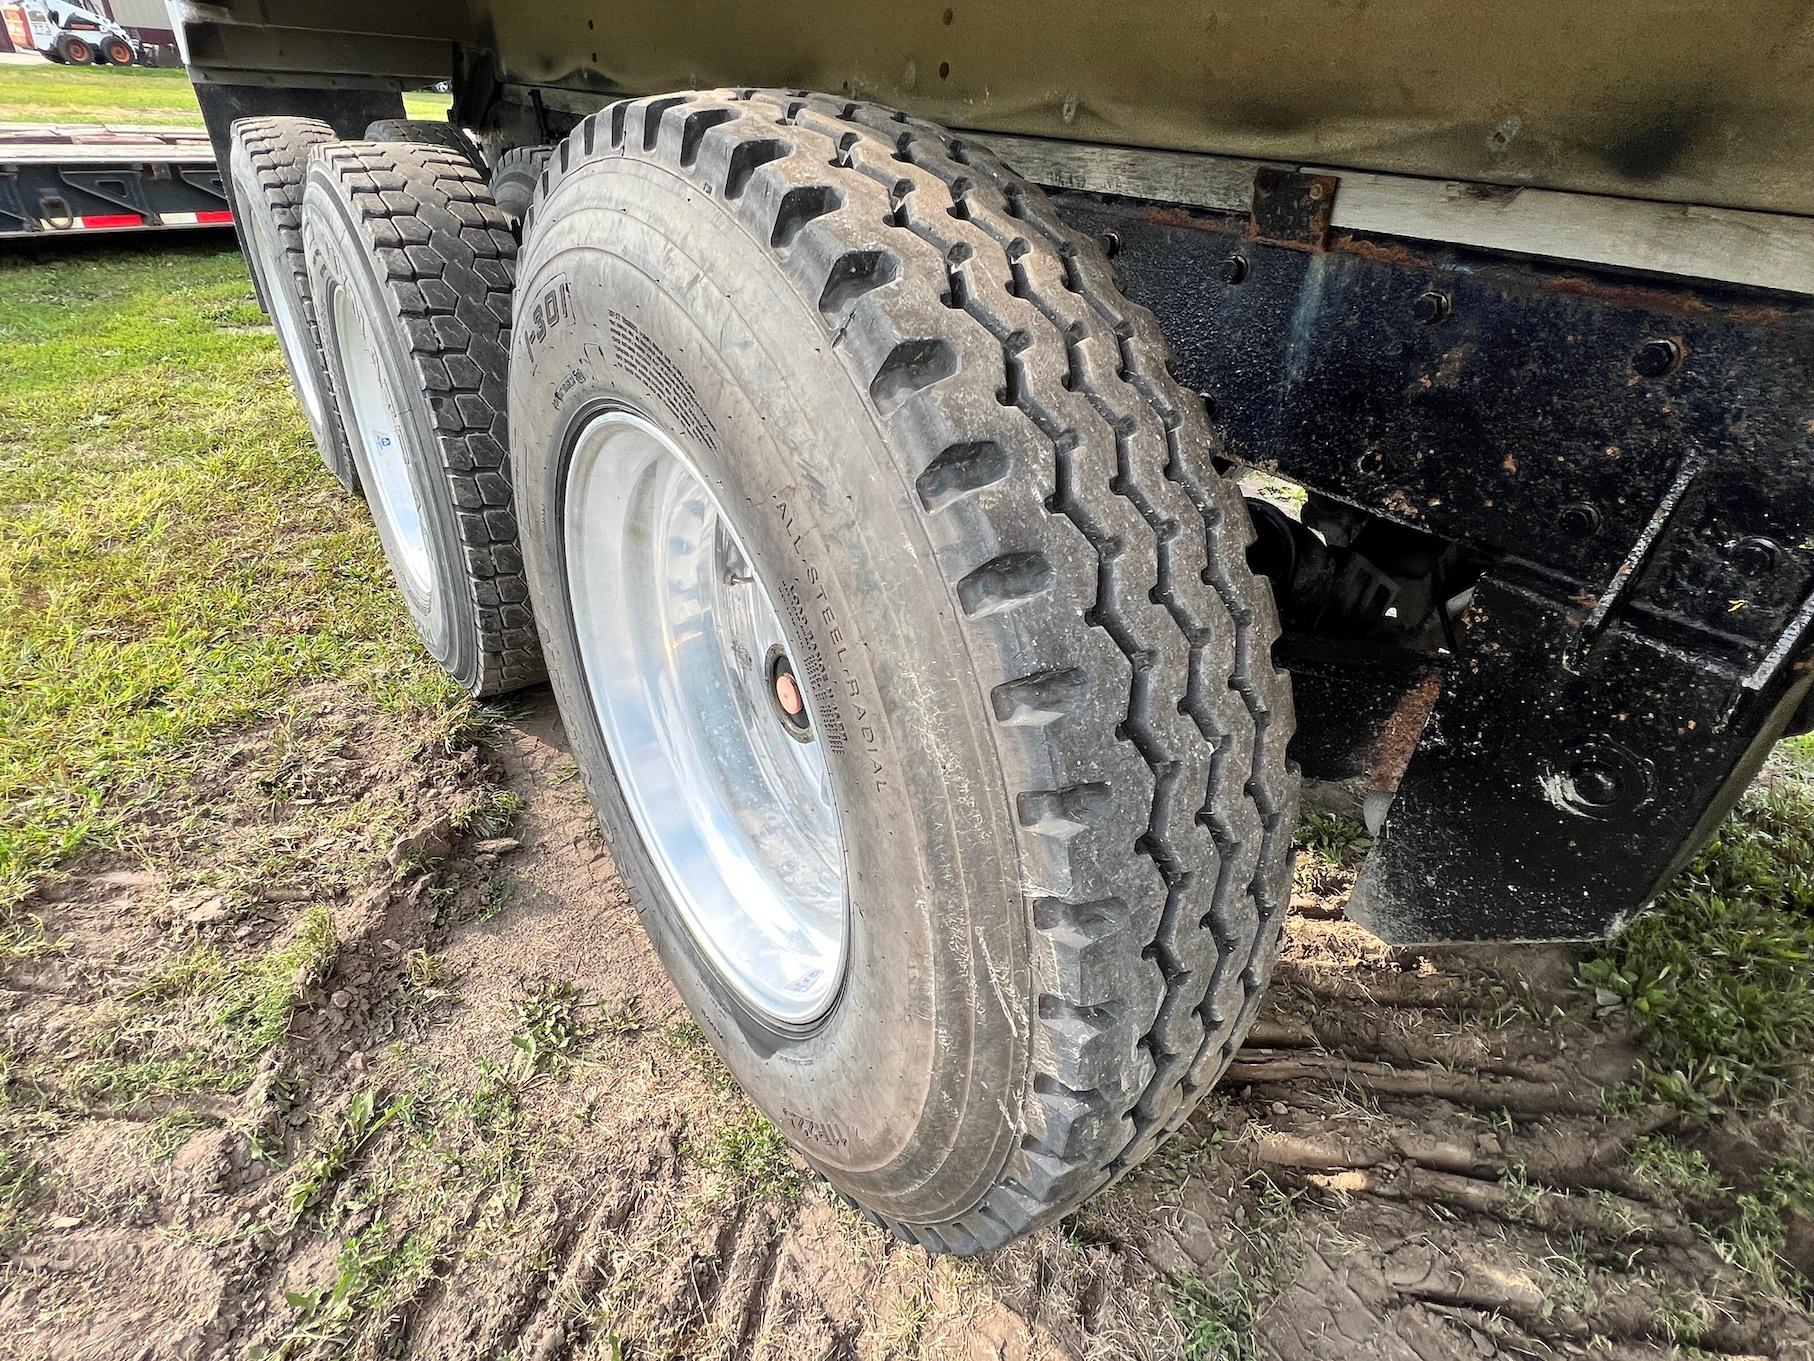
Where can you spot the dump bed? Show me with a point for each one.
(1665, 99)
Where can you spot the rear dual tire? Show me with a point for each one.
(410, 269)
(266, 162)
(1014, 589)
(427, 132)
(513, 181)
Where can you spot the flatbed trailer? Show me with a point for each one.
(64, 180)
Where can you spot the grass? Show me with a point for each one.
(173, 561)
(130, 95)
(749, 1153)
(259, 999)
(1716, 976)
(202, 1021)
(364, 1117)
(1658, 1160)
(1753, 1240)
(71, 94)
(1219, 1316)
(375, 1266)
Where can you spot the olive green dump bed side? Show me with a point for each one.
(1677, 100)
(1681, 100)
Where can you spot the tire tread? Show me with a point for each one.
(447, 259)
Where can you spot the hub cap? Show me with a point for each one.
(372, 426)
(708, 724)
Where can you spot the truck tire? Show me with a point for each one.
(76, 51)
(411, 263)
(265, 164)
(429, 133)
(513, 181)
(825, 425)
(117, 51)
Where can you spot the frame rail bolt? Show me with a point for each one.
(1430, 307)
(1756, 556)
(1580, 519)
(1657, 357)
(1596, 784)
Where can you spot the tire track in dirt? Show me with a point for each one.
(1409, 1158)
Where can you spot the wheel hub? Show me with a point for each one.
(708, 727)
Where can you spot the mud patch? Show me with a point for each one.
(470, 1117)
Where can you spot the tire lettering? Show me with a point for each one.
(828, 1132)
(551, 309)
(836, 689)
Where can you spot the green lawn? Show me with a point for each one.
(116, 94)
(173, 559)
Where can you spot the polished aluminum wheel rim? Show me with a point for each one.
(685, 660)
(372, 426)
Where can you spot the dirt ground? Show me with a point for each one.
(479, 1124)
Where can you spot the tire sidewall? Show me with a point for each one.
(897, 1093)
(262, 238)
(341, 260)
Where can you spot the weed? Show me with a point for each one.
(370, 1270)
(496, 891)
(1337, 838)
(684, 1036)
(751, 1154)
(552, 1030)
(495, 1103)
(317, 1171)
(1180, 1158)
(1216, 1316)
(428, 977)
(622, 1017)
(1658, 1160)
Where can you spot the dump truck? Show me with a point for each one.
(965, 471)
